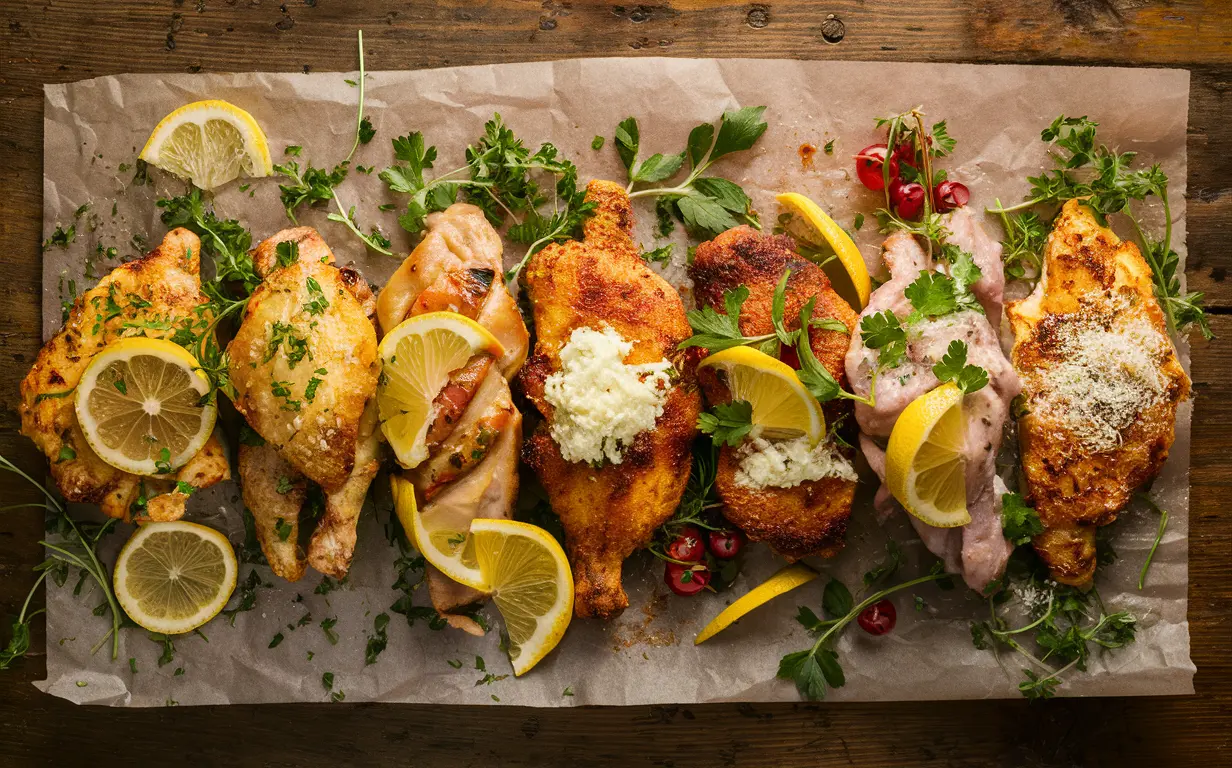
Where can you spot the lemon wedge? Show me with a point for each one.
(782, 405)
(416, 358)
(139, 406)
(174, 577)
(529, 578)
(209, 143)
(925, 464)
(785, 580)
(442, 537)
(847, 272)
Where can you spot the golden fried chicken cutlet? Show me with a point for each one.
(809, 518)
(1101, 386)
(601, 283)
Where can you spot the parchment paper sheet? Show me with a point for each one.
(646, 655)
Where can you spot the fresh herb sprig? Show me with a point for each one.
(817, 667)
(717, 331)
(908, 135)
(76, 546)
(706, 205)
(316, 186)
(1102, 178)
(503, 178)
(227, 242)
(1063, 628)
(1159, 535)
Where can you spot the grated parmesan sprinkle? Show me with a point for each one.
(1108, 373)
(601, 403)
(788, 463)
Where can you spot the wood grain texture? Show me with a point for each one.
(68, 40)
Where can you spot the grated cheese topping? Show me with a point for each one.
(1108, 373)
(601, 403)
(788, 463)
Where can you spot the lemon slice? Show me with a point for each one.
(785, 580)
(782, 406)
(209, 143)
(847, 273)
(442, 536)
(417, 357)
(139, 406)
(529, 578)
(925, 464)
(174, 577)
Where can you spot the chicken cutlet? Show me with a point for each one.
(809, 518)
(609, 382)
(304, 367)
(1101, 386)
(476, 435)
(978, 550)
(158, 296)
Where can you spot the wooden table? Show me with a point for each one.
(66, 40)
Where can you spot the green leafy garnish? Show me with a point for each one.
(953, 367)
(1159, 535)
(706, 205)
(814, 669)
(727, 422)
(500, 177)
(1019, 522)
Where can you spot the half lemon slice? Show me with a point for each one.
(416, 358)
(209, 143)
(847, 272)
(139, 404)
(441, 536)
(782, 405)
(174, 577)
(925, 461)
(785, 580)
(529, 578)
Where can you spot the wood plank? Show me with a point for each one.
(74, 39)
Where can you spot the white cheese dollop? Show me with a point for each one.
(787, 463)
(601, 403)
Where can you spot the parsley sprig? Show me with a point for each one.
(706, 205)
(227, 242)
(1063, 629)
(817, 667)
(1102, 177)
(503, 178)
(953, 367)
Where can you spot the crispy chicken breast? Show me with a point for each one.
(1101, 386)
(611, 510)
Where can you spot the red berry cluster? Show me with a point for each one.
(906, 197)
(692, 573)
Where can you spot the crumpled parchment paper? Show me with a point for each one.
(95, 128)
